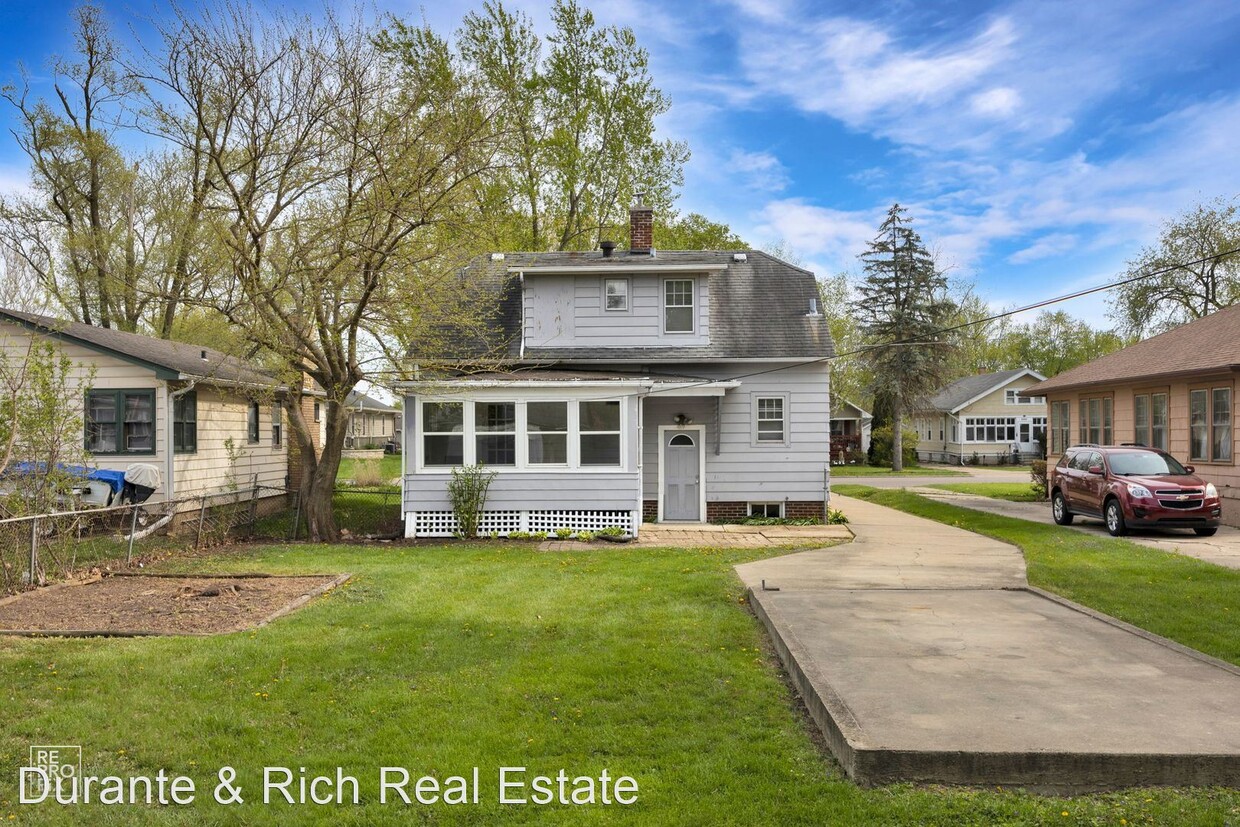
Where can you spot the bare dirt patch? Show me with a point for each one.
(161, 605)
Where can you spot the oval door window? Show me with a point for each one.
(681, 439)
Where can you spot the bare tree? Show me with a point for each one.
(332, 168)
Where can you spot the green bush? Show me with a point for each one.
(1037, 474)
(468, 491)
(563, 533)
(880, 446)
(836, 517)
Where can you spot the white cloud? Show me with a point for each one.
(1000, 102)
(759, 170)
(1049, 245)
(833, 238)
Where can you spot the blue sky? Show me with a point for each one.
(1038, 144)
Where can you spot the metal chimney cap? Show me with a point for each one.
(607, 247)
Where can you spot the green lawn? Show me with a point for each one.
(389, 468)
(1187, 600)
(1019, 492)
(442, 658)
(878, 471)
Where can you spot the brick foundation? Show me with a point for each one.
(793, 510)
(650, 510)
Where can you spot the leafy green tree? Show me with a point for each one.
(850, 372)
(1055, 341)
(694, 232)
(576, 117)
(901, 305)
(1187, 290)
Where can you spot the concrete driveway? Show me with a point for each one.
(923, 656)
(1223, 549)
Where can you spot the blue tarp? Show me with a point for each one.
(113, 479)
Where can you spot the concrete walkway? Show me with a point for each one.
(708, 535)
(1223, 549)
(970, 474)
(923, 655)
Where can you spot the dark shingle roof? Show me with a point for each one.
(1210, 344)
(173, 357)
(952, 396)
(758, 309)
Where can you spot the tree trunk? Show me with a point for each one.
(897, 436)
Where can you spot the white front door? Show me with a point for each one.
(682, 483)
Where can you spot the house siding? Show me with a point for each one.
(223, 416)
(567, 311)
(742, 471)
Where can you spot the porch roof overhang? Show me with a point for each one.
(640, 384)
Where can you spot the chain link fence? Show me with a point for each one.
(48, 547)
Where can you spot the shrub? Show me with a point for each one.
(518, 535)
(563, 533)
(880, 446)
(468, 491)
(585, 536)
(1037, 474)
(611, 531)
(836, 517)
(538, 535)
(367, 473)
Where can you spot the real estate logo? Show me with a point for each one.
(63, 762)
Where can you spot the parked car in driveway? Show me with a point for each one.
(1132, 487)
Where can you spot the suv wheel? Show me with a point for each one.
(1114, 513)
(1059, 509)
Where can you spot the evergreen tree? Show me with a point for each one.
(901, 305)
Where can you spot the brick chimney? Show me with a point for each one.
(641, 227)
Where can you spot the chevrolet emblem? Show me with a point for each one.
(1183, 497)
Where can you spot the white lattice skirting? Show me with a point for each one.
(502, 523)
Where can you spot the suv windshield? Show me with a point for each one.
(1144, 464)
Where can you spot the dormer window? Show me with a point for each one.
(678, 306)
(616, 294)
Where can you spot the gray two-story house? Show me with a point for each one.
(617, 386)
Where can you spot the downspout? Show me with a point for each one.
(641, 447)
(521, 280)
(170, 459)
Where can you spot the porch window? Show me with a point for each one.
(769, 420)
(616, 294)
(990, 429)
(443, 440)
(600, 433)
(495, 427)
(546, 424)
(1209, 417)
(185, 423)
(1095, 427)
(678, 306)
(1061, 429)
(120, 422)
(1149, 416)
(277, 427)
(251, 424)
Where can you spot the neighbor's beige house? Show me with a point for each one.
(984, 416)
(207, 421)
(371, 423)
(1175, 391)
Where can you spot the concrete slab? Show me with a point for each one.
(944, 667)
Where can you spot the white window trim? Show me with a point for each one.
(469, 435)
(970, 422)
(628, 294)
(753, 421)
(693, 307)
(749, 507)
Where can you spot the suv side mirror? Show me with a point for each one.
(1095, 469)
(1190, 469)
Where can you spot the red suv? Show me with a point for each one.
(1132, 487)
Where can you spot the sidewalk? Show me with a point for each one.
(923, 656)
